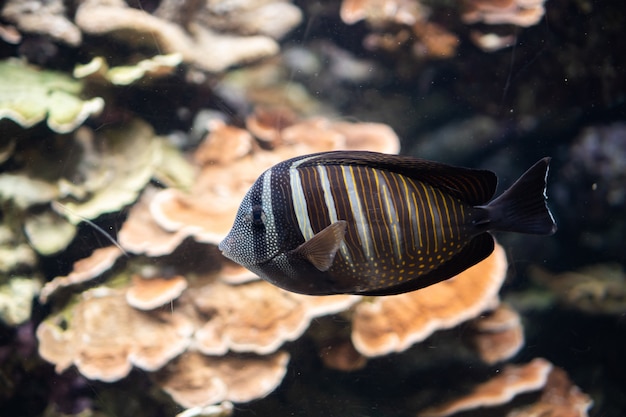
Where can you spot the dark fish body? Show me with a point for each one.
(369, 223)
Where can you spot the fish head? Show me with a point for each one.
(253, 238)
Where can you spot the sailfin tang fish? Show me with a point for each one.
(368, 223)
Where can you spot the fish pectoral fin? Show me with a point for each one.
(321, 249)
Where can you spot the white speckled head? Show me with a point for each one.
(253, 238)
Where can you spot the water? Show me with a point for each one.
(557, 91)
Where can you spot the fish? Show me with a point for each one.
(360, 222)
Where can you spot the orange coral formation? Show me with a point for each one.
(499, 334)
(399, 11)
(342, 355)
(494, 12)
(243, 32)
(597, 288)
(142, 235)
(256, 317)
(208, 211)
(104, 337)
(150, 293)
(393, 323)
(195, 380)
(559, 398)
(511, 381)
(399, 22)
(85, 269)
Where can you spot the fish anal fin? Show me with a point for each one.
(321, 249)
(475, 251)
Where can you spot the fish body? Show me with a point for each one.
(356, 222)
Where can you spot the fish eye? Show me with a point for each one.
(257, 216)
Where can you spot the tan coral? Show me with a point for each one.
(155, 67)
(100, 261)
(522, 13)
(599, 288)
(140, 234)
(224, 144)
(510, 382)
(434, 41)
(255, 317)
(195, 380)
(150, 293)
(393, 323)
(104, 337)
(266, 123)
(45, 18)
(207, 212)
(342, 356)
(206, 47)
(233, 273)
(378, 11)
(499, 334)
(559, 398)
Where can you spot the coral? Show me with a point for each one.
(104, 337)
(511, 381)
(46, 18)
(522, 13)
(401, 22)
(48, 232)
(150, 293)
(393, 323)
(596, 289)
(499, 334)
(256, 316)
(559, 397)
(16, 299)
(15, 252)
(83, 270)
(194, 380)
(224, 409)
(140, 234)
(110, 180)
(29, 95)
(212, 36)
(381, 11)
(157, 66)
(232, 161)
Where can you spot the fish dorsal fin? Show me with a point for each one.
(473, 186)
(321, 249)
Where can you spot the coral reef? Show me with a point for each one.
(30, 95)
(130, 130)
(559, 396)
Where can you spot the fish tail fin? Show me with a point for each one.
(522, 208)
